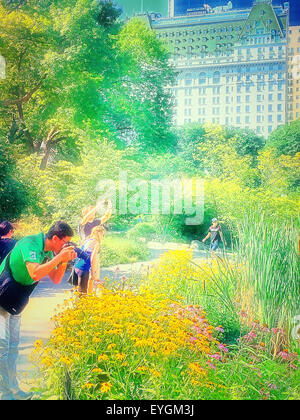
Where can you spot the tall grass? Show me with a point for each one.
(270, 285)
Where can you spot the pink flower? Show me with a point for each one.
(211, 365)
(272, 386)
(216, 356)
(277, 331)
(284, 355)
(223, 348)
(293, 366)
(197, 329)
(219, 329)
(266, 330)
(249, 337)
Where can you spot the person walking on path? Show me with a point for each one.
(216, 235)
(6, 241)
(32, 258)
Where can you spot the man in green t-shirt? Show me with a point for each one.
(33, 258)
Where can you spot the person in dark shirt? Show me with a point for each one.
(89, 222)
(6, 241)
(215, 234)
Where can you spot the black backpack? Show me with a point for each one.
(14, 296)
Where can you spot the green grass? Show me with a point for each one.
(270, 282)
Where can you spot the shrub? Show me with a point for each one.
(142, 230)
(211, 284)
(14, 195)
(28, 226)
(119, 250)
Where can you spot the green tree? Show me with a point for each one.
(24, 39)
(189, 137)
(57, 55)
(73, 66)
(280, 174)
(247, 142)
(195, 135)
(141, 103)
(13, 194)
(286, 139)
(218, 156)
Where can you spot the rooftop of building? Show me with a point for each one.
(207, 15)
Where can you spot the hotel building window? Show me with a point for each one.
(202, 78)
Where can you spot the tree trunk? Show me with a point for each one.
(50, 143)
(45, 159)
(29, 140)
(13, 130)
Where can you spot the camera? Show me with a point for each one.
(80, 253)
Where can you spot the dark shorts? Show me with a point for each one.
(214, 245)
(83, 280)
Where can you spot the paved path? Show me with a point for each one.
(36, 319)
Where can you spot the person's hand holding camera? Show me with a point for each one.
(67, 254)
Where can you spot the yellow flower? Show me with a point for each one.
(47, 362)
(102, 357)
(142, 368)
(38, 344)
(120, 356)
(88, 386)
(155, 373)
(97, 370)
(151, 323)
(75, 322)
(65, 360)
(111, 346)
(196, 368)
(105, 387)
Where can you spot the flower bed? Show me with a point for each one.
(124, 346)
(159, 343)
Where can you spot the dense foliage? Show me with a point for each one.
(85, 96)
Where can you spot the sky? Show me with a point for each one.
(161, 6)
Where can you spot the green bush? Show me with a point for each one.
(119, 250)
(142, 230)
(14, 194)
